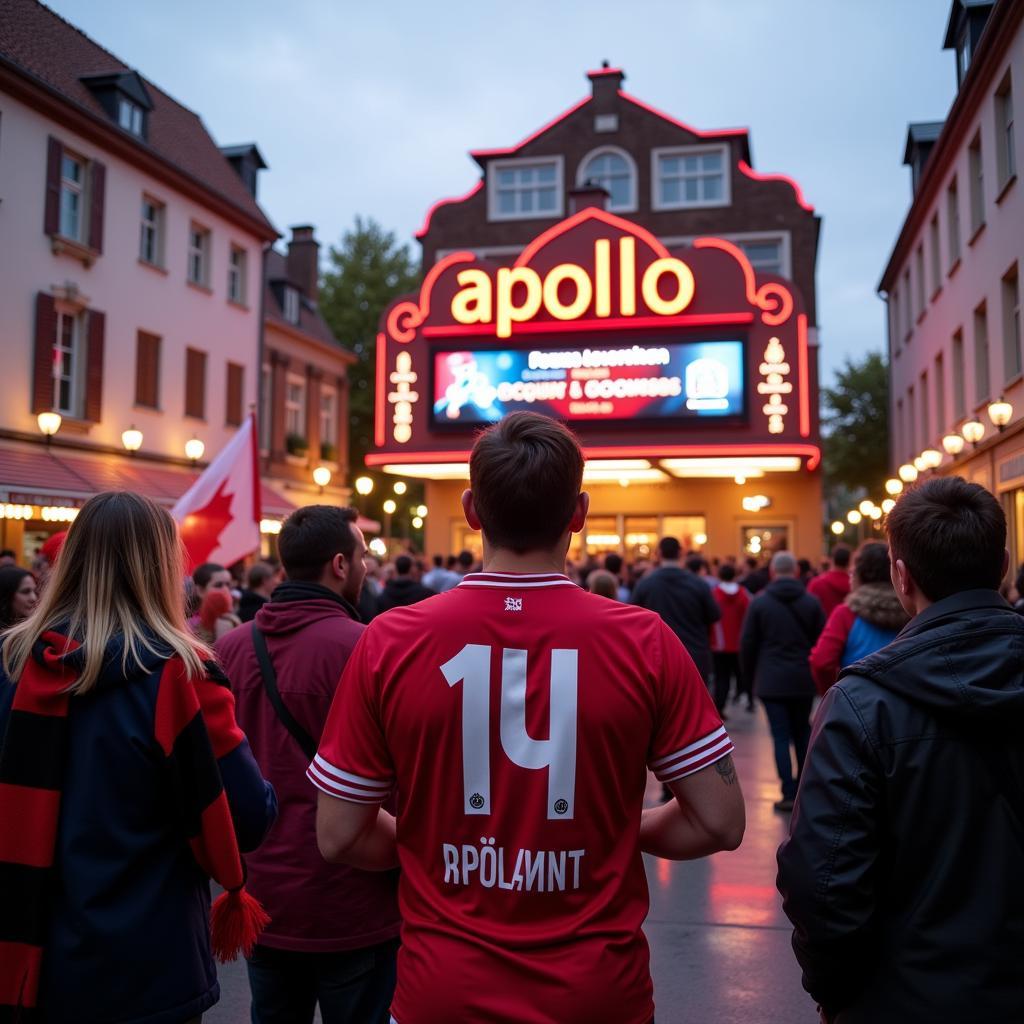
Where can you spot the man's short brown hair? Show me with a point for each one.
(525, 473)
(951, 535)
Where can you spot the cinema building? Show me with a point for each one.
(636, 278)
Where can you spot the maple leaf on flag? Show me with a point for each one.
(201, 529)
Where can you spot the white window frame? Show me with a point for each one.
(290, 304)
(296, 408)
(237, 274)
(78, 189)
(202, 251)
(494, 214)
(75, 350)
(630, 205)
(328, 416)
(129, 115)
(156, 229)
(1006, 158)
(683, 151)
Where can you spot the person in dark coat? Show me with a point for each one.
(332, 937)
(684, 602)
(902, 872)
(403, 588)
(261, 580)
(781, 627)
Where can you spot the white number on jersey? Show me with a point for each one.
(472, 667)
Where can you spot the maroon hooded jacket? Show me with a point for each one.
(314, 907)
(830, 588)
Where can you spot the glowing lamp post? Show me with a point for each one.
(853, 517)
(953, 443)
(973, 431)
(893, 486)
(401, 487)
(865, 507)
(389, 508)
(321, 477)
(838, 528)
(132, 440)
(932, 458)
(907, 473)
(1000, 413)
(49, 424)
(194, 449)
(364, 485)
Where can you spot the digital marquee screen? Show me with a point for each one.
(648, 381)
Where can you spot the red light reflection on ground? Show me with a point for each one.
(743, 903)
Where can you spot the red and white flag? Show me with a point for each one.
(219, 515)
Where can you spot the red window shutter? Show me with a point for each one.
(51, 213)
(236, 376)
(195, 383)
(46, 335)
(97, 187)
(94, 366)
(147, 370)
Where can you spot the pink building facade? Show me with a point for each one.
(130, 279)
(953, 282)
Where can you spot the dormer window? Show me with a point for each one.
(291, 304)
(129, 116)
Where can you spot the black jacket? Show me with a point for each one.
(249, 604)
(686, 605)
(400, 591)
(904, 871)
(782, 625)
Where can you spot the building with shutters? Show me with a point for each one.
(952, 284)
(304, 380)
(130, 279)
(635, 276)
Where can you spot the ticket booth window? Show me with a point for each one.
(690, 531)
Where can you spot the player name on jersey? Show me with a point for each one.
(533, 871)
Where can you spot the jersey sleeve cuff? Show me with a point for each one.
(693, 758)
(344, 785)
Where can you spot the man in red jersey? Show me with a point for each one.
(515, 717)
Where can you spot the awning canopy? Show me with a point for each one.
(42, 476)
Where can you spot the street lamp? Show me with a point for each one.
(364, 485)
(893, 486)
(907, 473)
(838, 528)
(417, 523)
(321, 477)
(132, 439)
(853, 517)
(973, 431)
(194, 449)
(953, 443)
(49, 424)
(931, 458)
(421, 511)
(999, 413)
(866, 506)
(400, 487)
(389, 507)
(888, 505)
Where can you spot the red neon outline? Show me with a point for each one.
(607, 323)
(588, 213)
(749, 171)
(759, 297)
(681, 124)
(810, 451)
(380, 404)
(444, 202)
(477, 153)
(805, 397)
(416, 313)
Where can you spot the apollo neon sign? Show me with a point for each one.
(517, 294)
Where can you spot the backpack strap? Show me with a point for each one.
(287, 719)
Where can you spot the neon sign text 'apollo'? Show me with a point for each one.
(517, 294)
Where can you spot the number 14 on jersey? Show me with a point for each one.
(472, 667)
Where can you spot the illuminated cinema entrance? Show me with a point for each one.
(687, 375)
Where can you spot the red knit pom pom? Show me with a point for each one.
(236, 921)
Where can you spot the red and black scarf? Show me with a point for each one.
(194, 725)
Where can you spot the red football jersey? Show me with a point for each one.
(515, 717)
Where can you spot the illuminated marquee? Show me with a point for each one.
(598, 323)
(519, 293)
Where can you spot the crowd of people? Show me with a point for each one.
(438, 816)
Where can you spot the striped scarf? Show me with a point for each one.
(32, 768)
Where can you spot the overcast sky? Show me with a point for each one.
(368, 108)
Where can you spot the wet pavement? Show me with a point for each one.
(720, 950)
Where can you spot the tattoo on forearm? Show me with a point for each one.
(726, 770)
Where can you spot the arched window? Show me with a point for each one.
(614, 170)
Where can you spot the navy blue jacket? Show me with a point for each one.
(129, 934)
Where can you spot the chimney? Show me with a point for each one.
(605, 84)
(588, 194)
(304, 261)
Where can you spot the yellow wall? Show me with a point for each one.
(796, 503)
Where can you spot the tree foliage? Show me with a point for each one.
(363, 275)
(856, 425)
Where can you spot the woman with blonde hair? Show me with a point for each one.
(130, 784)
